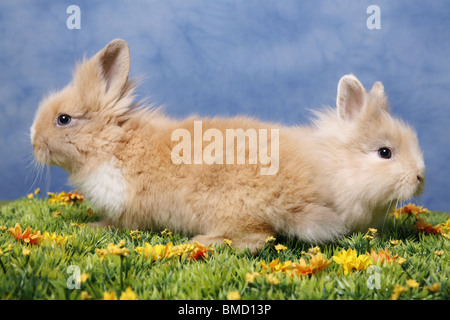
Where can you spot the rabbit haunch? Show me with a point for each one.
(338, 175)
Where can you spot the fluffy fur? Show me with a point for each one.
(331, 180)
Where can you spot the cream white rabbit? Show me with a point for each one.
(338, 175)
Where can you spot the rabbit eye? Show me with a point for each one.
(385, 153)
(64, 120)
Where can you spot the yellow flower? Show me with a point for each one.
(276, 266)
(85, 295)
(56, 213)
(439, 253)
(59, 239)
(314, 250)
(37, 191)
(227, 242)
(118, 250)
(109, 295)
(102, 253)
(30, 196)
(446, 225)
(26, 252)
(272, 279)
(166, 232)
(346, 258)
(233, 295)
(280, 247)
(270, 238)
(128, 294)
(368, 237)
(362, 262)
(350, 260)
(373, 230)
(135, 235)
(64, 198)
(251, 277)
(435, 287)
(398, 290)
(3, 228)
(412, 283)
(83, 277)
(395, 242)
(156, 252)
(316, 263)
(401, 260)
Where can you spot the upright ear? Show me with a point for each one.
(351, 97)
(378, 96)
(114, 65)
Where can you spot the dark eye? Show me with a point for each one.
(64, 120)
(385, 153)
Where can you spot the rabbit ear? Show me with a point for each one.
(377, 94)
(378, 88)
(114, 64)
(351, 97)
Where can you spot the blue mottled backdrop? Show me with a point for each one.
(266, 58)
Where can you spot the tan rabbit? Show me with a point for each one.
(338, 175)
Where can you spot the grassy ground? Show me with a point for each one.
(44, 272)
(4, 202)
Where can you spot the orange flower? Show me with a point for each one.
(410, 208)
(32, 238)
(316, 263)
(16, 232)
(382, 256)
(302, 268)
(200, 251)
(319, 262)
(423, 226)
(27, 236)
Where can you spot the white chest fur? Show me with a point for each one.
(105, 188)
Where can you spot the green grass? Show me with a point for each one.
(4, 202)
(44, 273)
